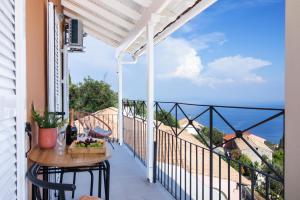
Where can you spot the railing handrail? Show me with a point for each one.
(212, 105)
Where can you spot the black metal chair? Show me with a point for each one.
(37, 184)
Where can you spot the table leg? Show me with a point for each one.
(74, 181)
(45, 178)
(33, 191)
(92, 182)
(100, 181)
(107, 180)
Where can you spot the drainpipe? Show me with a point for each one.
(120, 93)
(150, 98)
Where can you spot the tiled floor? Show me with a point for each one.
(128, 181)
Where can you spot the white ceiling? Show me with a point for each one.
(122, 23)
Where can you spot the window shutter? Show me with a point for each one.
(8, 117)
(65, 84)
(54, 61)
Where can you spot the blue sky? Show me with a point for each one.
(232, 54)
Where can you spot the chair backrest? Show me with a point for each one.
(32, 175)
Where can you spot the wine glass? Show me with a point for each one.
(61, 143)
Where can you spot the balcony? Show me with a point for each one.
(127, 179)
(186, 164)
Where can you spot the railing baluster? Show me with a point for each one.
(139, 135)
(185, 169)
(176, 131)
(165, 159)
(172, 164)
(211, 153)
(141, 127)
(196, 172)
(252, 184)
(202, 173)
(228, 168)
(190, 171)
(240, 181)
(134, 133)
(168, 162)
(180, 167)
(161, 157)
(176, 166)
(267, 186)
(220, 177)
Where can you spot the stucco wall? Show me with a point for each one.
(292, 95)
(36, 47)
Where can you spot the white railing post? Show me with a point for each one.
(120, 101)
(150, 98)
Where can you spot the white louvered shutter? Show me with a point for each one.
(8, 96)
(65, 92)
(54, 61)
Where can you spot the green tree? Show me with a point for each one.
(166, 118)
(91, 95)
(276, 187)
(281, 143)
(244, 160)
(217, 136)
(161, 115)
(278, 158)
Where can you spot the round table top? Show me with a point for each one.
(51, 158)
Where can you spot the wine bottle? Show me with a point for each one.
(69, 138)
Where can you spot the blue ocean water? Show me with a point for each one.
(240, 119)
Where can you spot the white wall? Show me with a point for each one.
(292, 135)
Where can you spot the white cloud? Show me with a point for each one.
(175, 57)
(237, 68)
(201, 42)
(205, 41)
(179, 59)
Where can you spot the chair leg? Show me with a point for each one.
(107, 179)
(33, 191)
(61, 176)
(45, 178)
(99, 181)
(92, 182)
(74, 181)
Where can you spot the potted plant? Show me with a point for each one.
(48, 128)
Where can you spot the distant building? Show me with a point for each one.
(255, 141)
(190, 128)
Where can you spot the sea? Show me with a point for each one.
(240, 119)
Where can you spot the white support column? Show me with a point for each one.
(120, 101)
(150, 99)
(292, 100)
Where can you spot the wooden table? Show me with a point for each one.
(51, 158)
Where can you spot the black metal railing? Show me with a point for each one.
(135, 128)
(106, 121)
(200, 167)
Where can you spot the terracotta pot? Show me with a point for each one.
(47, 137)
